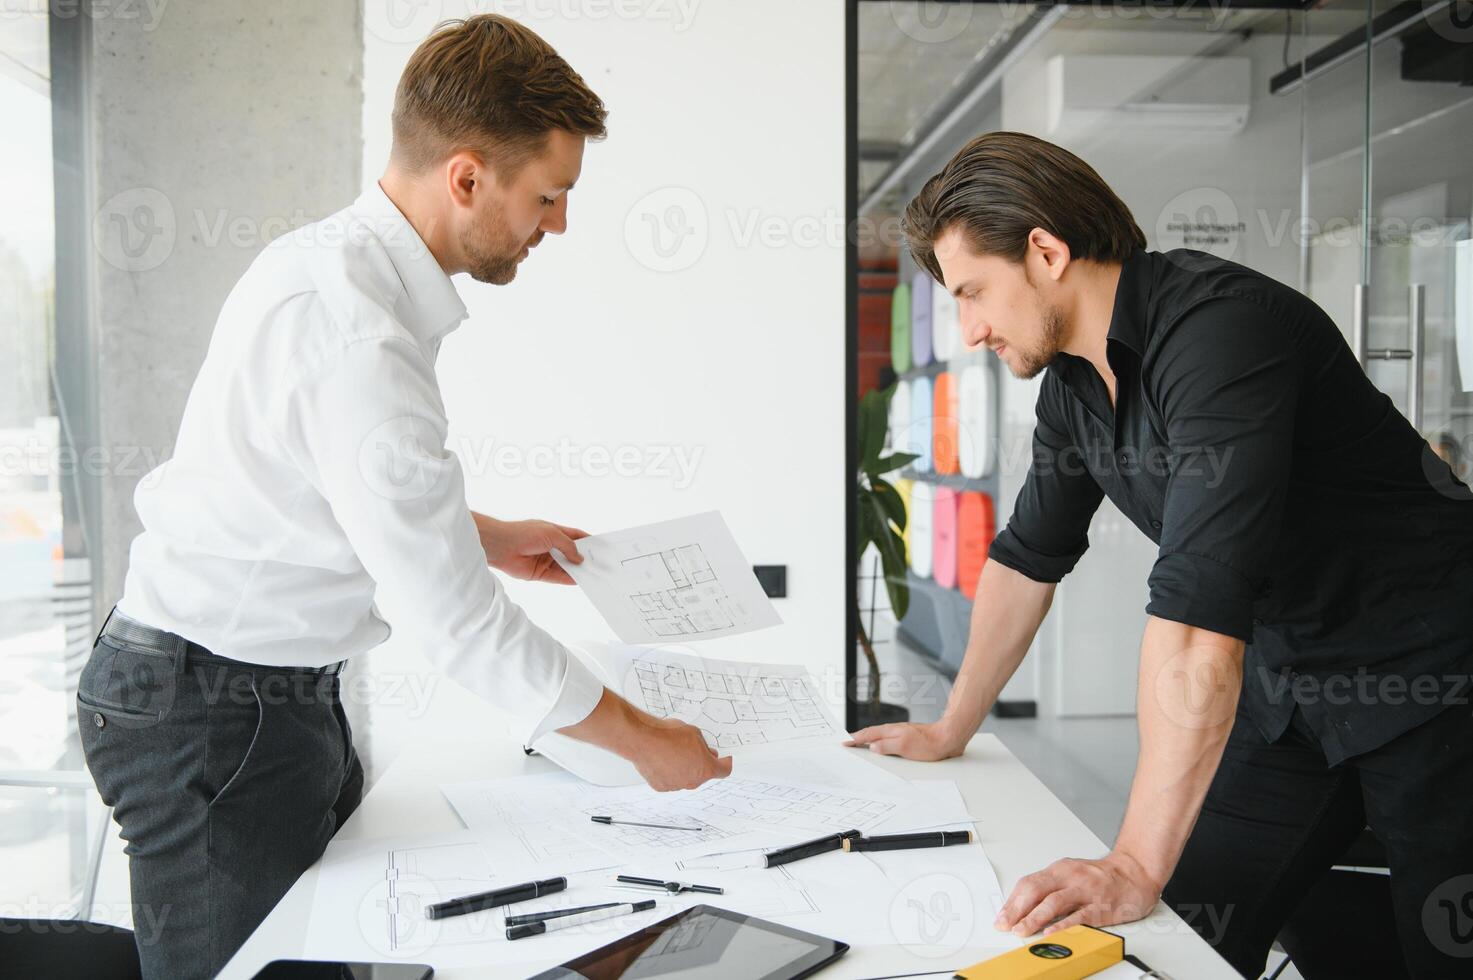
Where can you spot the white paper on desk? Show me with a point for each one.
(742, 708)
(938, 803)
(940, 899)
(370, 899)
(558, 807)
(683, 579)
(935, 902)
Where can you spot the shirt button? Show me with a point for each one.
(1156, 525)
(1257, 621)
(98, 720)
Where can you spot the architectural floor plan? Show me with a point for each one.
(682, 579)
(733, 704)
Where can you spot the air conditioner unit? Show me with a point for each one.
(1148, 92)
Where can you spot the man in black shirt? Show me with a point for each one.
(1316, 558)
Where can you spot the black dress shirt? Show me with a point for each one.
(1294, 506)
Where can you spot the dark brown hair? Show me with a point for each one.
(490, 85)
(1001, 186)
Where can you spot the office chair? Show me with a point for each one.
(67, 949)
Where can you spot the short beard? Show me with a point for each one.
(486, 254)
(1051, 332)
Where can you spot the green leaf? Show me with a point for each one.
(874, 418)
(890, 500)
(892, 462)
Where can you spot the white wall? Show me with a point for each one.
(727, 351)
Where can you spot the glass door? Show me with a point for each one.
(1419, 338)
(1387, 197)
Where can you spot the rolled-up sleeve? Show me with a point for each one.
(369, 432)
(1227, 382)
(1048, 530)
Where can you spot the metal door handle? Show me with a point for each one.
(1417, 323)
(1413, 352)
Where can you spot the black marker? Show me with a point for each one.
(530, 917)
(905, 842)
(798, 852)
(499, 896)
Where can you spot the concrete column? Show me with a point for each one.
(214, 128)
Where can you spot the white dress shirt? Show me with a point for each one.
(311, 469)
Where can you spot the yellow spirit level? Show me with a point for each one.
(1066, 955)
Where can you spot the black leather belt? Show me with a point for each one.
(121, 629)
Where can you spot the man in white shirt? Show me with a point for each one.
(309, 471)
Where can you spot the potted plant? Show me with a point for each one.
(880, 518)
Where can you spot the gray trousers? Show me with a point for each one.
(227, 779)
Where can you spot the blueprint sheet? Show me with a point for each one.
(734, 703)
(683, 580)
(740, 707)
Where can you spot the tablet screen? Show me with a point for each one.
(705, 943)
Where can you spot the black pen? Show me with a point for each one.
(569, 921)
(905, 842)
(610, 821)
(529, 917)
(498, 896)
(797, 852)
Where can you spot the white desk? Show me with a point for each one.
(1023, 827)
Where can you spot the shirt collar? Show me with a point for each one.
(1132, 299)
(434, 307)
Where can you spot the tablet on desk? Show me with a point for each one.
(705, 943)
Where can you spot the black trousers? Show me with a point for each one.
(227, 780)
(1277, 817)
